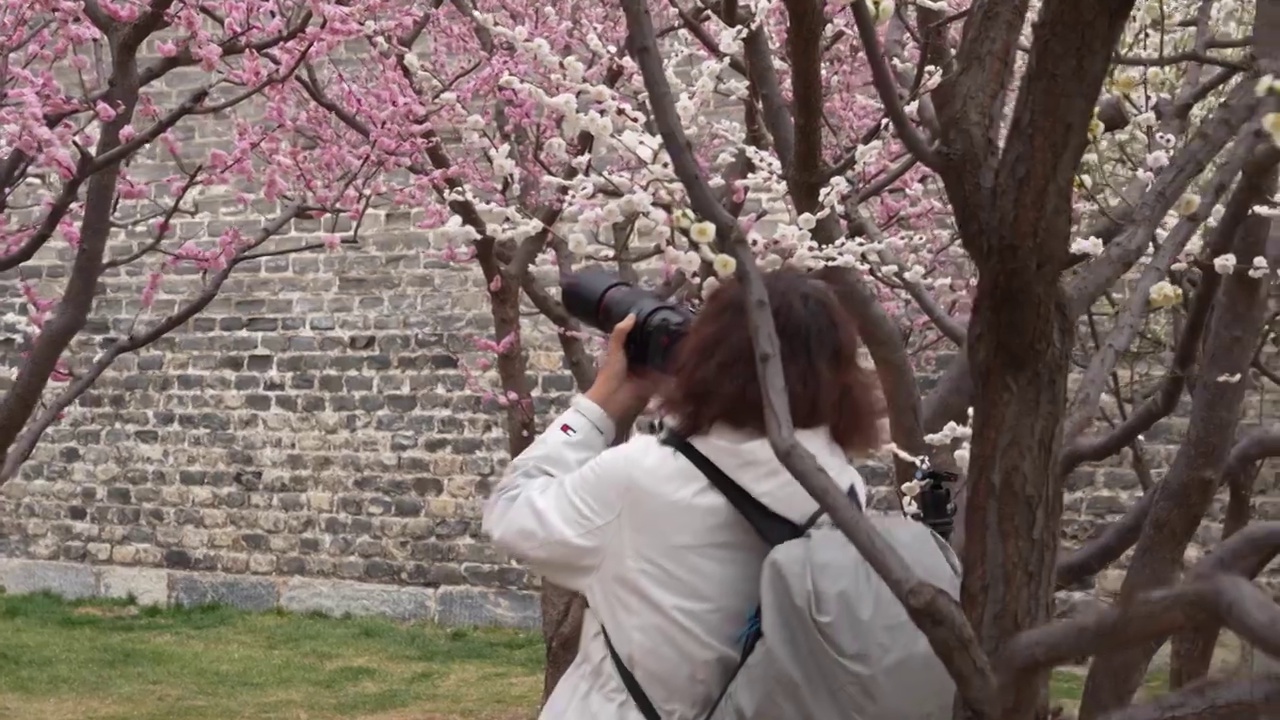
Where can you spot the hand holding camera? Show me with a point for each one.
(621, 391)
(644, 331)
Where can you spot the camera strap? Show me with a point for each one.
(770, 526)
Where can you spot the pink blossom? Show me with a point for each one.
(104, 112)
(152, 287)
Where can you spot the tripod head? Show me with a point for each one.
(933, 503)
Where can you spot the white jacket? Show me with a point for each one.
(665, 562)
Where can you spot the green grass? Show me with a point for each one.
(104, 660)
(1067, 685)
(112, 661)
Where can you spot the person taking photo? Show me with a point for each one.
(666, 564)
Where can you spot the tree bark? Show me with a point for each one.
(1193, 650)
(1181, 500)
(1014, 502)
(1013, 208)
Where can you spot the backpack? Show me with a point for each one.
(829, 639)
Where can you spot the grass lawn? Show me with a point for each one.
(111, 661)
(104, 660)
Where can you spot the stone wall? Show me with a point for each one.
(310, 435)
(313, 429)
(312, 422)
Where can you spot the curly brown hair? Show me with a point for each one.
(713, 376)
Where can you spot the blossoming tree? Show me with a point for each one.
(521, 141)
(95, 175)
(962, 180)
(1014, 198)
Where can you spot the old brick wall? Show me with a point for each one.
(310, 440)
(314, 422)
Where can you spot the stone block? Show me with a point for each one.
(66, 580)
(1263, 664)
(146, 586)
(244, 593)
(469, 606)
(338, 597)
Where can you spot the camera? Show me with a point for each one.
(934, 501)
(601, 299)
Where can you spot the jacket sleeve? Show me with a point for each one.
(559, 499)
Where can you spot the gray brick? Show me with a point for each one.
(463, 606)
(244, 593)
(332, 597)
(19, 577)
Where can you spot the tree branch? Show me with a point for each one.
(1182, 498)
(73, 309)
(1088, 281)
(31, 433)
(1084, 449)
(887, 87)
(937, 614)
(1253, 698)
(1230, 599)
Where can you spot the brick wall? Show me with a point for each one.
(314, 423)
(310, 439)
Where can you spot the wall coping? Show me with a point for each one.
(448, 606)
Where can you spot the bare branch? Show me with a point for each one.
(1236, 602)
(23, 446)
(887, 87)
(1254, 697)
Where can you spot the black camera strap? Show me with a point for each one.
(769, 525)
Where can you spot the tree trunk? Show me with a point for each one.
(561, 609)
(562, 612)
(1019, 340)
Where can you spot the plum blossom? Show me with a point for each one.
(724, 265)
(1271, 123)
(1187, 204)
(702, 233)
(1258, 268)
(1164, 294)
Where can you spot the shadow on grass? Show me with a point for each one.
(105, 660)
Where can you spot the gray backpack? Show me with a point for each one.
(829, 640)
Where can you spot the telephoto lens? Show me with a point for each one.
(601, 299)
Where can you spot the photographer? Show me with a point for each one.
(666, 563)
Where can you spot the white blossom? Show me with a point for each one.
(1091, 245)
(1187, 204)
(724, 265)
(1164, 294)
(1224, 264)
(702, 232)
(1259, 267)
(1271, 123)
